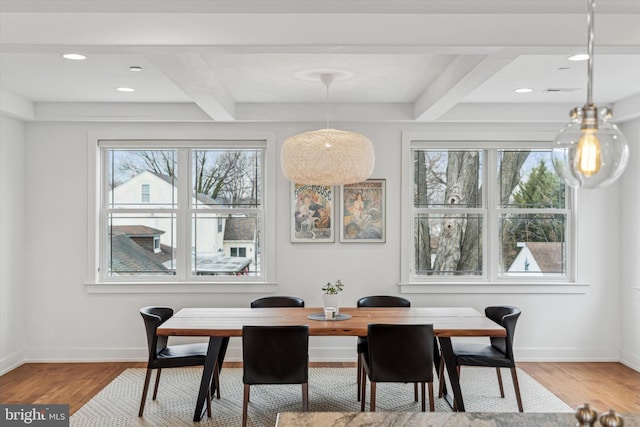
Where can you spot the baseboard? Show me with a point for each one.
(52, 355)
(567, 354)
(318, 353)
(630, 360)
(12, 361)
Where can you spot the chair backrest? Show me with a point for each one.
(400, 353)
(275, 354)
(507, 317)
(154, 317)
(383, 301)
(277, 301)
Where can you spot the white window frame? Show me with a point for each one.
(96, 283)
(489, 281)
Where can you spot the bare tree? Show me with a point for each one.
(459, 235)
(227, 175)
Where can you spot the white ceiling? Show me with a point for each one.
(245, 60)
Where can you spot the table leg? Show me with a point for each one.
(221, 353)
(213, 351)
(450, 362)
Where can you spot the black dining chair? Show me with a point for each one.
(399, 354)
(277, 301)
(376, 301)
(275, 355)
(498, 353)
(163, 356)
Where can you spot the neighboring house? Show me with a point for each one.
(239, 237)
(538, 259)
(137, 248)
(154, 190)
(143, 243)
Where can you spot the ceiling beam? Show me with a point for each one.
(190, 72)
(462, 76)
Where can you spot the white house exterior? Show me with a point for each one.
(151, 190)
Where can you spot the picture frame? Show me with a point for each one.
(363, 212)
(312, 213)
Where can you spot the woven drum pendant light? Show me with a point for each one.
(327, 156)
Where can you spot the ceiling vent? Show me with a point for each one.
(561, 89)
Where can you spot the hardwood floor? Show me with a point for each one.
(602, 385)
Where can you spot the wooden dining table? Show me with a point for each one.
(228, 322)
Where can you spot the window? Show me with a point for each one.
(489, 214)
(207, 197)
(145, 193)
(239, 252)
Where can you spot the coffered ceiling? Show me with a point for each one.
(260, 60)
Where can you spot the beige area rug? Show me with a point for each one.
(330, 389)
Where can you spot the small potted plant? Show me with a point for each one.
(331, 295)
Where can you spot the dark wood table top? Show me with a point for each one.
(228, 322)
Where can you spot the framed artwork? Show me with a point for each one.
(312, 213)
(363, 211)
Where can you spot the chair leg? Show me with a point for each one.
(424, 406)
(372, 404)
(155, 389)
(305, 397)
(500, 382)
(209, 403)
(441, 378)
(147, 379)
(245, 404)
(432, 407)
(359, 368)
(516, 387)
(363, 388)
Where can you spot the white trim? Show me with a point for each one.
(317, 353)
(489, 281)
(12, 361)
(493, 288)
(264, 140)
(180, 288)
(630, 360)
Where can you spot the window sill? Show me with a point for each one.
(179, 288)
(493, 288)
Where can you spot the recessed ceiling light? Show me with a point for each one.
(74, 56)
(578, 57)
(125, 89)
(135, 68)
(523, 90)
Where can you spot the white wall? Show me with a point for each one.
(64, 322)
(630, 220)
(13, 303)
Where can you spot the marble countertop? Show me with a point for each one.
(434, 419)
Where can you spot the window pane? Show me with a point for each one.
(132, 244)
(233, 251)
(526, 179)
(448, 245)
(227, 178)
(532, 245)
(129, 171)
(447, 178)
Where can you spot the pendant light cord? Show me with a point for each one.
(327, 79)
(590, 52)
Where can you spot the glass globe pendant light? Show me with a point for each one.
(327, 156)
(590, 151)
